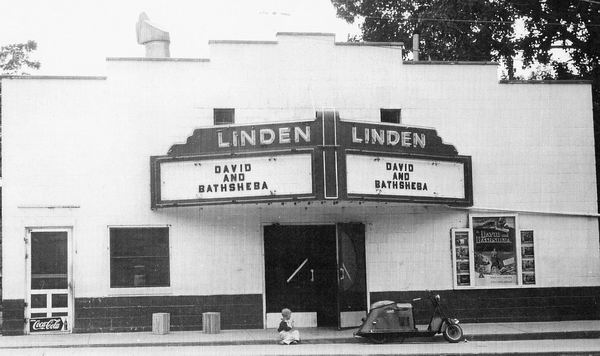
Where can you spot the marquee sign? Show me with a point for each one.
(398, 176)
(240, 177)
(326, 158)
(392, 138)
(250, 138)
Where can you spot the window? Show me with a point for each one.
(224, 116)
(49, 260)
(492, 253)
(391, 116)
(139, 257)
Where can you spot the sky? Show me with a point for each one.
(75, 37)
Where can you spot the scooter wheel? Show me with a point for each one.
(453, 333)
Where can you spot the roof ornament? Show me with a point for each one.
(155, 39)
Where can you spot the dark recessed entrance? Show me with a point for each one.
(300, 270)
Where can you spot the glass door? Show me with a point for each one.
(352, 281)
(50, 301)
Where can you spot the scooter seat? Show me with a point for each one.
(381, 303)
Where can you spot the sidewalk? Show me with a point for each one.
(474, 332)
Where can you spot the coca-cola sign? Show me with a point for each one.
(48, 324)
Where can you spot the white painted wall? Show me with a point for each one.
(87, 143)
(566, 250)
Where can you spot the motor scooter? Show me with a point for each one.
(388, 320)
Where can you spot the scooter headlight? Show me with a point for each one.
(437, 297)
(454, 321)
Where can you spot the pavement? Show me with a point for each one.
(580, 329)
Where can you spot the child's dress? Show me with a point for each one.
(286, 333)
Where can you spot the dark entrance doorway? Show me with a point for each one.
(301, 270)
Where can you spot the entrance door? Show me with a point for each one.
(300, 271)
(50, 302)
(352, 285)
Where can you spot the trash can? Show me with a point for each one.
(161, 323)
(211, 322)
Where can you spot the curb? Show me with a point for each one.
(481, 337)
(584, 334)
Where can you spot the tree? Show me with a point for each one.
(449, 30)
(14, 57)
(573, 26)
(485, 30)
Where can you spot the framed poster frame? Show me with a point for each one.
(520, 283)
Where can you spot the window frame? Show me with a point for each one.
(518, 255)
(143, 290)
(215, 110)
(397, 110)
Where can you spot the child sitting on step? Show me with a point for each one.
(286, 330)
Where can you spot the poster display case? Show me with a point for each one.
(493, 253)
(461, 257)
(527, 257)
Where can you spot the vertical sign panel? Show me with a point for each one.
(330, 154)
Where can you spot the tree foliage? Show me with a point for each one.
(570, 25)
(449, 30)
(15, 57)
(573, 26)
(484, 30)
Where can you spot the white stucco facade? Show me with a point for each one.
(76, 154)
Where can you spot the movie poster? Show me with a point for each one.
(528, 257)
(461, 254)
(494, 248)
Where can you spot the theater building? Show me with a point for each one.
(303, 173)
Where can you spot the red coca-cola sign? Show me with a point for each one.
(48, 324)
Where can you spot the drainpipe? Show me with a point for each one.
(155, 39)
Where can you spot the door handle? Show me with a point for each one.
(344, 270)
(312, 275)
(297, 270)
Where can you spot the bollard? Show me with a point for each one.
(211, 323)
